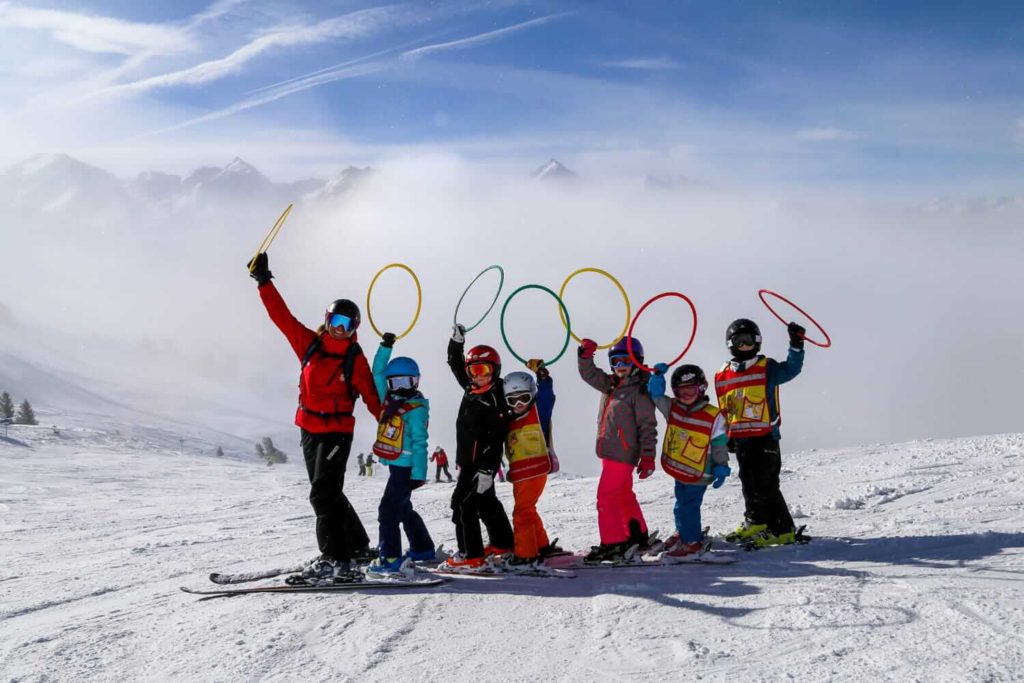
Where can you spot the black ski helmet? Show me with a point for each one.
(689, 375)
(743, 326)
(345, 307)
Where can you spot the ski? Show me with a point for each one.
(225, 579)
(246, 577)
(366, 584)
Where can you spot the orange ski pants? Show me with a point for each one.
(527, 526)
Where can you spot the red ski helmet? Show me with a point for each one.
(484, 354)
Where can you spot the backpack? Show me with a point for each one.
(348, 360)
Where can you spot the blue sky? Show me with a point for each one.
(752, 92)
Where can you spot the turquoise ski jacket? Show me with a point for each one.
(414, 436)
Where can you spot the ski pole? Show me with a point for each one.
(265, 244)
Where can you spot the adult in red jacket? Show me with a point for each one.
(334, 373)
(441, 458)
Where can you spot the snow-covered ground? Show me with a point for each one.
(915, 574)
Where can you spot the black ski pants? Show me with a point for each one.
(446, 472)
(760, 464)
(338, 530)
(469, 508)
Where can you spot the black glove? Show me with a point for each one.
(388, 340)
(415, 484)
(796, 335)
(259, 269)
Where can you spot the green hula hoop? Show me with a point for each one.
(501, 283)
(565, 311)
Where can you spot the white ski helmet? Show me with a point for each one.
(520, 382)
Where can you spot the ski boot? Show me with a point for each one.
(683, 549)
(494, 550)
(766, 538)
(325, 570)
(745, 532)
(421, 555)
(552, 549)
(607, 552)
(390, 566)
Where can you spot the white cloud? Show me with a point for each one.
(354, 25)
(352, 69)
(479, 39)
(646, 64)
(825, 135)
(96, 34)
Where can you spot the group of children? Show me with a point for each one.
(511, 417)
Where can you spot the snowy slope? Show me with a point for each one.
(915, 575)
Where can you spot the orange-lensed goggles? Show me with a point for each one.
(479, 370)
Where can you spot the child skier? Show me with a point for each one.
(334, 372)
(696, 429)
(480, 431)
(529, 458)
(362, 465)
(748, 395)
(626, 440)
(369, 464)
(401, 445)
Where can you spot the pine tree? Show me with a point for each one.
(260, 453)
(220, 452)
(6, 406)
(26, 416)
(271, 453)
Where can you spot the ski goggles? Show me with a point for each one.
(620, 361)
(339, 320)
(402, 382)
(744, 339)
(520, 398)
(479, 370)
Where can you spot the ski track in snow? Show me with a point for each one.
(914, 574)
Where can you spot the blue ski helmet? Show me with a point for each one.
(621, 349)
(402, 367)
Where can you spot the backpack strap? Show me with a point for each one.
(348, 365)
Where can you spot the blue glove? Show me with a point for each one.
(656, 383)
(719, 472)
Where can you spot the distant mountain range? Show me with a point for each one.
(57, 184)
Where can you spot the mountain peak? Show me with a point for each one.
(553, 169)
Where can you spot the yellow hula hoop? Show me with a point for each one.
(622, 290)
(271, 236)
(419, 298)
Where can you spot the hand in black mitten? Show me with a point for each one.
(388, 340)
(259, 268)
(796, 335)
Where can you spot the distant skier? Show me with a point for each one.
(441, 459)
(334, 372)
(627, 436)
(530, 458)
(402, 446)
(369, 464)
(748, 395)
(694, 452)
(500, 474)
(480, 431)
(362, 465)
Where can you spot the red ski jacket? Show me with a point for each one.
(325, 404)
(440, 457)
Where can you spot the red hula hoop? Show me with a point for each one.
(629, 334)
(762, 292)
